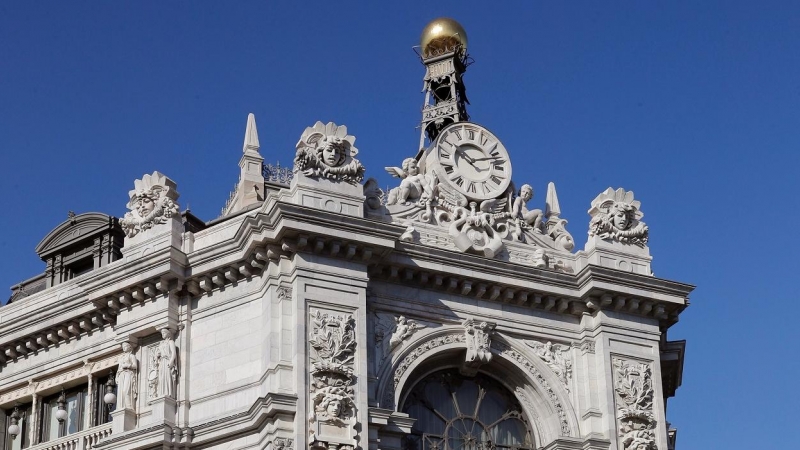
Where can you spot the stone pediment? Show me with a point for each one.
(75, 228)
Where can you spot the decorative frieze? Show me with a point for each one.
(633, 385)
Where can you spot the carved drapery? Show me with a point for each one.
(163, 374)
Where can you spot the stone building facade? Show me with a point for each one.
(322, 312)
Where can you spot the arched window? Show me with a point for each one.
(455, 412)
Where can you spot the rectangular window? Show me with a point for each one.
(102, 412)
(76, 416)
(23, 439)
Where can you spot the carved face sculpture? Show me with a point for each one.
(526, 192)
(126, 347)
(334, 408)
(412, 168)
(332, 152)
(165, 333)
(619, 217)
(144, 205)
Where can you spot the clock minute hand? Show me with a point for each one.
(487, 158)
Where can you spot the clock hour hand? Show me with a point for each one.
(464, 155)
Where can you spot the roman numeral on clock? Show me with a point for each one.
(458, 180)
(495, 179)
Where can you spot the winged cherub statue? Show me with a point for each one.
(412, 185)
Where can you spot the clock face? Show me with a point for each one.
(473, 161)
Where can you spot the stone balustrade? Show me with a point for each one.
(83, 440)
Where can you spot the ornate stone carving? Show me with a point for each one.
(616, 217)
(127, 378)
(479, 341)
(327, 151)
(586, 346)
(479, 215)
(152, 202)
(512, 354)
(163, 374)
(540, 258)
(396, 329)
(282, 444)
(375, 197)
(284, 293)
(633, 385)
(557, 357)
(414, 187)
(333, 342)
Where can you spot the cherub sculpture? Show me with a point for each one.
(520, 211)
(327, 151)
(412, 186)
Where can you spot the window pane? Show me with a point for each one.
(52, 423)
(73, 413)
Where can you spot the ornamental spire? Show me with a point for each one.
(251, 135)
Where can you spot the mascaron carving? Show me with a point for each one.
(152, 202)
(327, 151)
(557, 357)
(616, 217)
(633, 385)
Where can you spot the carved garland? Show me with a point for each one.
(501, 348)
(633, 385)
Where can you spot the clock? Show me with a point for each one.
(473, 161)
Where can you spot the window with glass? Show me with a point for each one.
(22, 421)
(455, 412)
(75, 419)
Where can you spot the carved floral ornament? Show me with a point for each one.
(152, 202)
(327, 151)
(616, 217)
(633, 385)
(333, 344)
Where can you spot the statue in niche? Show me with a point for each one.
(164, 367)
(520, 211)
(127, 378)
(616, 217)
(412, 186)
(327, 151)
(152, 202)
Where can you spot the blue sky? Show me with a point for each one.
(695, 106)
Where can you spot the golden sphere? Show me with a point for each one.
(442, 35)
